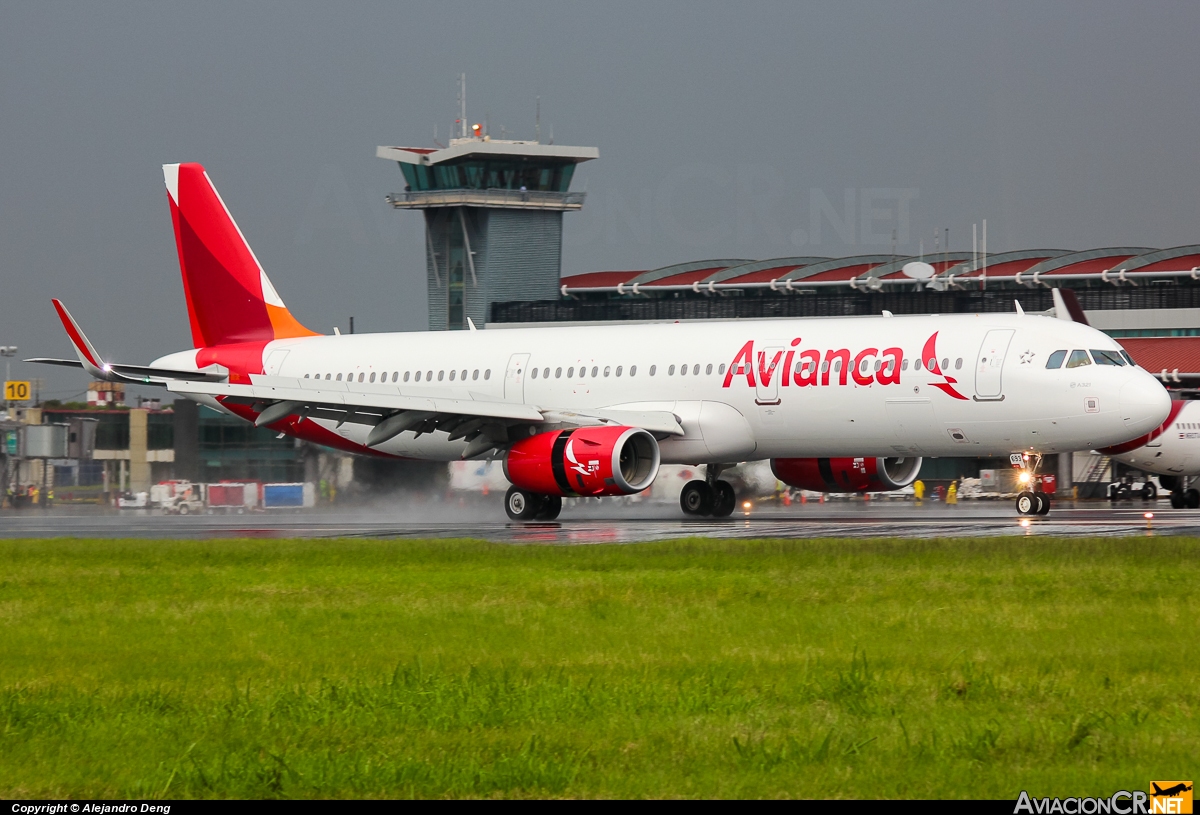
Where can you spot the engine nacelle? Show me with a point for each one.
(847, 474)
(585, 461)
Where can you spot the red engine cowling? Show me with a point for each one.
(847, 474)
(584, 461)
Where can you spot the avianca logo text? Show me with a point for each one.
(806, 367)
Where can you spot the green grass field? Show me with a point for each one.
(942, 668)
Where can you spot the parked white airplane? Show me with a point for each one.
(844, 404)
(1171, 451)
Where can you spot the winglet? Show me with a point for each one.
(471, 324)
(91, 360)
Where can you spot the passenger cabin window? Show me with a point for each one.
(487, 374)
(653, 369)
(619, 369)
(558, 373)
(339, 379)
(958, 364)
(1056, 360)
(372, 376)
(1107, 358)
(534, 372)
(904, 365)
(671, 371)
(708, 369)
(1078, 359)
(633, 370)
(406, 376)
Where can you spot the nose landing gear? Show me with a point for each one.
(1032, 500)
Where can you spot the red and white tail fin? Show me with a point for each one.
(229, 297)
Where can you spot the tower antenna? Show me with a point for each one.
(537, 121)
(462, 106)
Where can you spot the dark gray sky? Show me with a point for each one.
(726, 130)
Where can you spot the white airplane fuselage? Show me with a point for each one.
(1173, 448)
(757, 389)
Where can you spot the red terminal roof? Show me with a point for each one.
(763, 275)
(1179, 258)
(685, 278)
(597, 279)
(1170, 353)
(1092, 261)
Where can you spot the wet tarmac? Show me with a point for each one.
(612, 522)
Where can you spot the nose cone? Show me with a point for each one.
(1144, 404)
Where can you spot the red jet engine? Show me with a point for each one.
(847, 474)
(584, 461)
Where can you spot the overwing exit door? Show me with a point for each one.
(989, 366)
(514, 378)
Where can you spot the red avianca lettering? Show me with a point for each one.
(808, 367)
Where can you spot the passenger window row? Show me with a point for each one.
(1078, 358)
(383, 377)
(682, 370)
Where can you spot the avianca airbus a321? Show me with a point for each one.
(842, 404)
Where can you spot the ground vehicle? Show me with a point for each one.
(594, 410)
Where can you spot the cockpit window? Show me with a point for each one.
(1078, 359)
(1128, 358)
(1056, 360)
(1107, 358)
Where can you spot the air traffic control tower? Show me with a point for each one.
(493, 220)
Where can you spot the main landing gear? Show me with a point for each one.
(1030, 500)
(1182, 494)
(710, 496)
(522, 505)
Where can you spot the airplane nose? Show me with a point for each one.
(1144, 404)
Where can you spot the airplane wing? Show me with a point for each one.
(485, 424)
(91, 361)
(141, 374)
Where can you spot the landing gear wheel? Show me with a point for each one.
(1192, 499)
(521, 505)
(1177, 500)
(696, 498)
(1026, 503)
(1043, 503)
(1149, 492)
(724, 500)
(551, 506)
